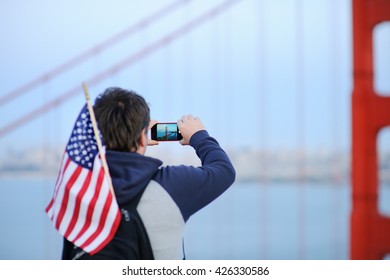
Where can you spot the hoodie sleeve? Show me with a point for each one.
(192, 188)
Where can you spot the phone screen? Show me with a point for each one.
(166, 132)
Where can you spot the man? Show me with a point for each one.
(171, 194)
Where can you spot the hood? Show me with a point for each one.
(130, 173)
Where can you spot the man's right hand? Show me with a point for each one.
(188, 126)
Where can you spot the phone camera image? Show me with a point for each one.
(166, 132)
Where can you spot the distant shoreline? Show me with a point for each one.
(26, 176)
(313, 181)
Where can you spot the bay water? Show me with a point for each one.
(251, 220)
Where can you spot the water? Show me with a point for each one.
(249, 221)
(273, 221)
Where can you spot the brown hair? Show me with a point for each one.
(121, 116)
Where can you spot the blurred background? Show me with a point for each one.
(270, 79)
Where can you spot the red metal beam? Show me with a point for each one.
(77, 60)
(370, 231)
(165, 40)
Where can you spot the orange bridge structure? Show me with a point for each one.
(370, 231)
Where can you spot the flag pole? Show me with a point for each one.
(97, 136)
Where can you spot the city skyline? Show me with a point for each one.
(312, 167)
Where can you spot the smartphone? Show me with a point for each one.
(165, 132)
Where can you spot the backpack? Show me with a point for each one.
(131, 241)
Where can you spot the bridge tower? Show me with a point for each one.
(370, 231)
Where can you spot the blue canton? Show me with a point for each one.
(82, 147)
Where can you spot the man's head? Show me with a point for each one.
(123, 118)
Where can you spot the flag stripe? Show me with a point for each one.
(74, 216)
(62, 173)
(102, 221)
(64, 157)
(64, 163)
(99, 216)
(61, 190)
(64, 204)
(91, 207)
(49, 207)
(88, 196)
(70, 206)
(108, 232)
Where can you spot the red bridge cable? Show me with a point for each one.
(126, 62)
(263, 121)
(93, 51)
(299, 16)
(335, 96)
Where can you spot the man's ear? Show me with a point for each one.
(143, 141)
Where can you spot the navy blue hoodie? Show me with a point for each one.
(172, 193)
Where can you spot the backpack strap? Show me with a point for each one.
(131, 215)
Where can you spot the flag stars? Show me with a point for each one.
(82, 143)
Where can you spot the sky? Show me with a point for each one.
(261, 74)
(269, 75)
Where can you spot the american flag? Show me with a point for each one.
(83, 208)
